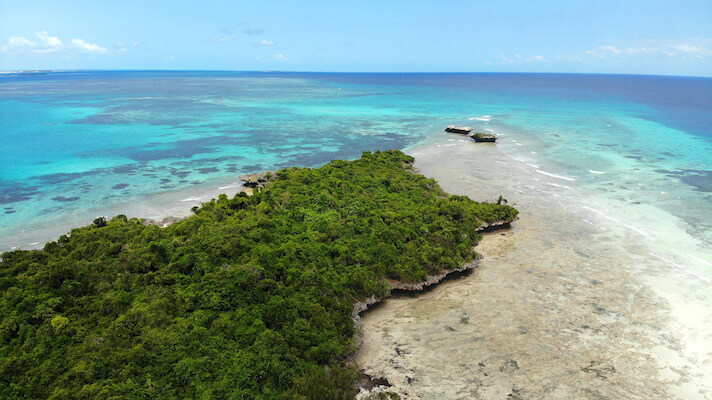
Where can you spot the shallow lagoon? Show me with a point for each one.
(608, 268)
(82, 144)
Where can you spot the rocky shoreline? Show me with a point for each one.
(362, 306)
(375, 384)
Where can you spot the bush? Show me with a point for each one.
(250, 297)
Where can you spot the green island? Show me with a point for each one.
(249, 298)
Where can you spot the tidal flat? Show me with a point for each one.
(566, 304)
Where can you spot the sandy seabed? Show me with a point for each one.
(562, 306)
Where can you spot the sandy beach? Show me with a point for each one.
(563, 306)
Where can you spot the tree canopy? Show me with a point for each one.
(249, 298)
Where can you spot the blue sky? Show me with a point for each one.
(637, 37)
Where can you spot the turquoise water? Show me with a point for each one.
(82, 144)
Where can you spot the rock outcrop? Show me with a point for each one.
(169, 220)
(259, 180)
(433, 279)
(483, 137)
(379, 384)
(363, 305)
(489, 227)
(458, 129)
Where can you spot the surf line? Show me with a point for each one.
(698, 259)
(555, 176)
(696, 275)
(631, 227)
(229, 186)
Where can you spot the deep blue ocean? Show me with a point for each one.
(76, 145)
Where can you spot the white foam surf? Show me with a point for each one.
(616, 220)
(228, 187)
(699, 259)
(682, 267)
(484, 118)
(555, 176)
(559, 186)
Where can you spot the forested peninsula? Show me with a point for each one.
(249, 298)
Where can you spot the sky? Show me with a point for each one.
(597, 36)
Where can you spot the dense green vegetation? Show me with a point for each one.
(250, 298)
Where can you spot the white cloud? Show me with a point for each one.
(50, 43)
(266, 43)
(609, 49)
(20, 42)
(46, 43)
(682, 49)
(88, 47)
(280, 57)
(696, 48)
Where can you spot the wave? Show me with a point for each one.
(640, 231)
(631, 227)
(484, 118)
(698, 259)
(596, 172)
(559, 186)
(555, 176)
(229, 186)
(682, 267)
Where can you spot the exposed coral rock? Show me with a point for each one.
(433, 279)
(458, 129)
(483, 137)
(164, 222)
(489, 227)
(259, 180)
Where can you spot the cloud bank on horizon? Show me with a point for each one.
(683, 50)
(43, 43)
(400, 36)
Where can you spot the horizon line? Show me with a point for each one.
(40, 71)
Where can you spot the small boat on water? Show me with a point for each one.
(483, 137)
(458, 129)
